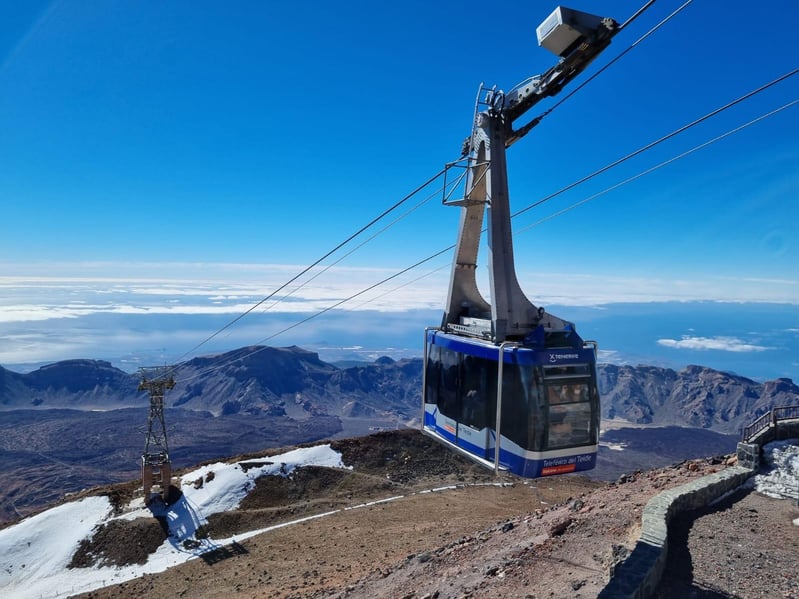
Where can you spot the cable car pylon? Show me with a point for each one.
(156, 467)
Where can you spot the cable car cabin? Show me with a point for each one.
(548, 408)
(508, 383)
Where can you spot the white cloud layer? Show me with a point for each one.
(35, 292)
(134, 313)
(730, 344)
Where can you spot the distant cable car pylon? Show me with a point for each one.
(156, 467)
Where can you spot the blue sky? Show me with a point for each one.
(162, 163)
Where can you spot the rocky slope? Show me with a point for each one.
(294, 382)
(79, 384)
(557, 537)
(695, 396)
(260, 397)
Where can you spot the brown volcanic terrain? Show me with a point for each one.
(258, 397)
(474, 536)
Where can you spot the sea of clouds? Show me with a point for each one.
(139, 314)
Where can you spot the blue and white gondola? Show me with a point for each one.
(548, 408)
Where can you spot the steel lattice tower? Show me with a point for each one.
(156, 469)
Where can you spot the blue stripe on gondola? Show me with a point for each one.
(518, 464)
(547, 466)
(521, 355)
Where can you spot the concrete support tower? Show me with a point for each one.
(156, 469)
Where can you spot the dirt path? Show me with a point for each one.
(744, 547)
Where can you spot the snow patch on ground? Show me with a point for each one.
(782, 480)
(613, 446)
(34, 553)
(228, 485)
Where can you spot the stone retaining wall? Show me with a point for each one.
(638, 576)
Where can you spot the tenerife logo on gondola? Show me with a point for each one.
(558, 357)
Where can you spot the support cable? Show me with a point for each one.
(549, 197)
(609, 189)
(652, 144)
(620, 55)
(657, 166)
(360, 245)
(637, 14)
(398, 287)
(525, 129)
(319, 313)
(318, 261)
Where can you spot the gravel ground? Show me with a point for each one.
(561, 551)
(475, 536)
(745, 547)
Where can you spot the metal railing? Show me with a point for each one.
(770, 418)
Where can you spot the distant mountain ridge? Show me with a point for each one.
(694, 396)
(293, 382)
(80, 423)
(81, 384)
